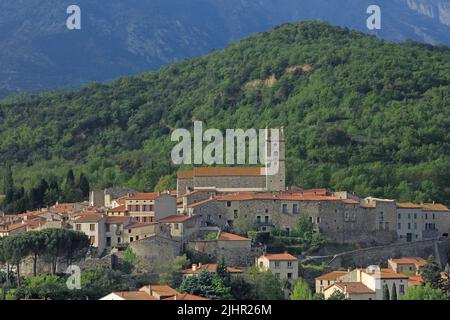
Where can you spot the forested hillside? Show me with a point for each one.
(360, 113)
(126, 37)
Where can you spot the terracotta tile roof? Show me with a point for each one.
(175, 219)
(415, 281)
(185, 296)
(199, 203)
(246, 196)
(410, 260)
(220, 172)
(211, 267)
(279, 257)
(332, 275)
(90, 217)
(12, 227)
(225, 236)
(144, 196)
(116, 220)
(141, 225)
(389, 274)
(160, 290)
(33, 224)
(134, 295)
(185, 174)
(434, 207)
(424, 206)
(350, 201)
(120, 208)
(409, 205)
(352, 287)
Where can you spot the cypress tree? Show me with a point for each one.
(394, 292)
(386, 292)
(84, 186)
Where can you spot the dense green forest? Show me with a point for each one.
(360, 114)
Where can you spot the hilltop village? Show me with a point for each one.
(232, 219)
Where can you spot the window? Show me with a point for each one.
(209, 217)
(381, 216)
(409, 215)
(409, 226)
(119, 240)
(266, 211)
(295, 208)
(310, 219)
(175, 226)
(258, 219)
(434, 216)
(236, 214)
(426, 216)
(277, 276)
(285, 208)
(289, 275)
(92, 227)
(78, 228)
(261, 264)
(92, 239)
(289, 264)
(108, 227)
(399, 226)
(131, 239)
(402, 289)
(399, 216)
(220, 216)
(228, 203)
(318, 219)
(108, 241)
(137, 238)
(277, 264)
(415, 215)
(266, 219)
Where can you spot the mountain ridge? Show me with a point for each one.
(120, 38)
(361, 114)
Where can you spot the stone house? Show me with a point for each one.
(282, 265)
(150, 207)
(93, 225)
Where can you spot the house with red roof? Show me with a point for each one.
(282, 265)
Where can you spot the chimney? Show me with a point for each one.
(349, 270)
(185, 204)
(194, 267)
(345, 288)
(199, 265)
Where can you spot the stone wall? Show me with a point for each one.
(227, 182)
(155, 253)
(235, 253)
(380, 255)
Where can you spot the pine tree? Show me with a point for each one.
(431, 272)
(386, 292)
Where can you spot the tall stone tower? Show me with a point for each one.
(275, 169)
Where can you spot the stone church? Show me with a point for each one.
(239, 179)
